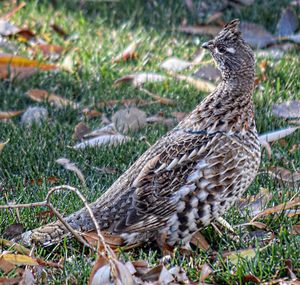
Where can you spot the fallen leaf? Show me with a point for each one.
(251, 278)
(208, 72)
(265, 139)
(278, 209)
(138, 79)
(234, 257)
(20, 67)
(14, 246)
(199, 241)
(27, 278)
(285, 175)
(19, 259)
(162, 120)
(205, 272)
(159, 99)
(40, 95)
(130, 119)
(287, 23)
(152, 274)
(91, 113)
(199, 84)
(296, 229)
(10, 281)
(256, 35)
(287, 110)
(2, 145)
(128, 53)
(67, 164)
(13, 230)
(39, 181)
(179, 116)
(59, 30)
(175, 64)
(53, 51)
(200, 30)
(34, 115)
(6, 266)
(10, 114)
(165, 276)
(7, 29)
(80, 130)
(126, 102)
(107, 130)
(103, 136)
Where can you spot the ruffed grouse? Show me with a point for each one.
(194, 173)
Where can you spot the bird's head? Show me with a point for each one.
(230, 52)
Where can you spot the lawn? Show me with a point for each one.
(98, 31)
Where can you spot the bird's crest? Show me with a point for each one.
(230, 31)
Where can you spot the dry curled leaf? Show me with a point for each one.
(40, 95)
(200, 241)
(80, 130)
(9, 114)
(175, 64)
(130, 119)
(128, 53)
(12, 66)
(19, 259)
(205, 272)
(256, 35)
(284, 175)
(159, 99)
(287, 110)
(138, 79)
(278, 209)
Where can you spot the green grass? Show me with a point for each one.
(101, 30)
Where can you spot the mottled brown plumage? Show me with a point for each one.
(194, 173)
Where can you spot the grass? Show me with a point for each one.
(100, 31)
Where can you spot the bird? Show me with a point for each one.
(193, 174)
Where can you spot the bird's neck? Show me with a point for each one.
(229, 107)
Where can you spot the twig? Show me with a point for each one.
(30, 205)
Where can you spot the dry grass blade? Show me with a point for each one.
(9, 114)
(13, 11)
(277, 209)
(199, 84)
(40, 95)
(67, 164)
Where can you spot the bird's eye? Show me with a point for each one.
(221, 49)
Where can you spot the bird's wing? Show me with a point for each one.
(212, 163)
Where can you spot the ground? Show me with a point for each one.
(100, 31)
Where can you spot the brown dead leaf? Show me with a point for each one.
(67, 164)
(4, 115)
(12, 66)
(49, 50)
(199, 84)
(199, 241)
(200, 30)
(295, 230)
(40, 181)
(287, 23)
(45, 214)
(278, 209)
(59, 30)
(40, 95)
(2, 145)
(251, 278)
(256, 35)
(6, 266)
(80, 130)
(205, 272)
(138, 79)
(287, 110)
(10, 281)
(91, 113)
(285, 175)
(128, 53)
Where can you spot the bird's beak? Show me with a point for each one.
(207, 45)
